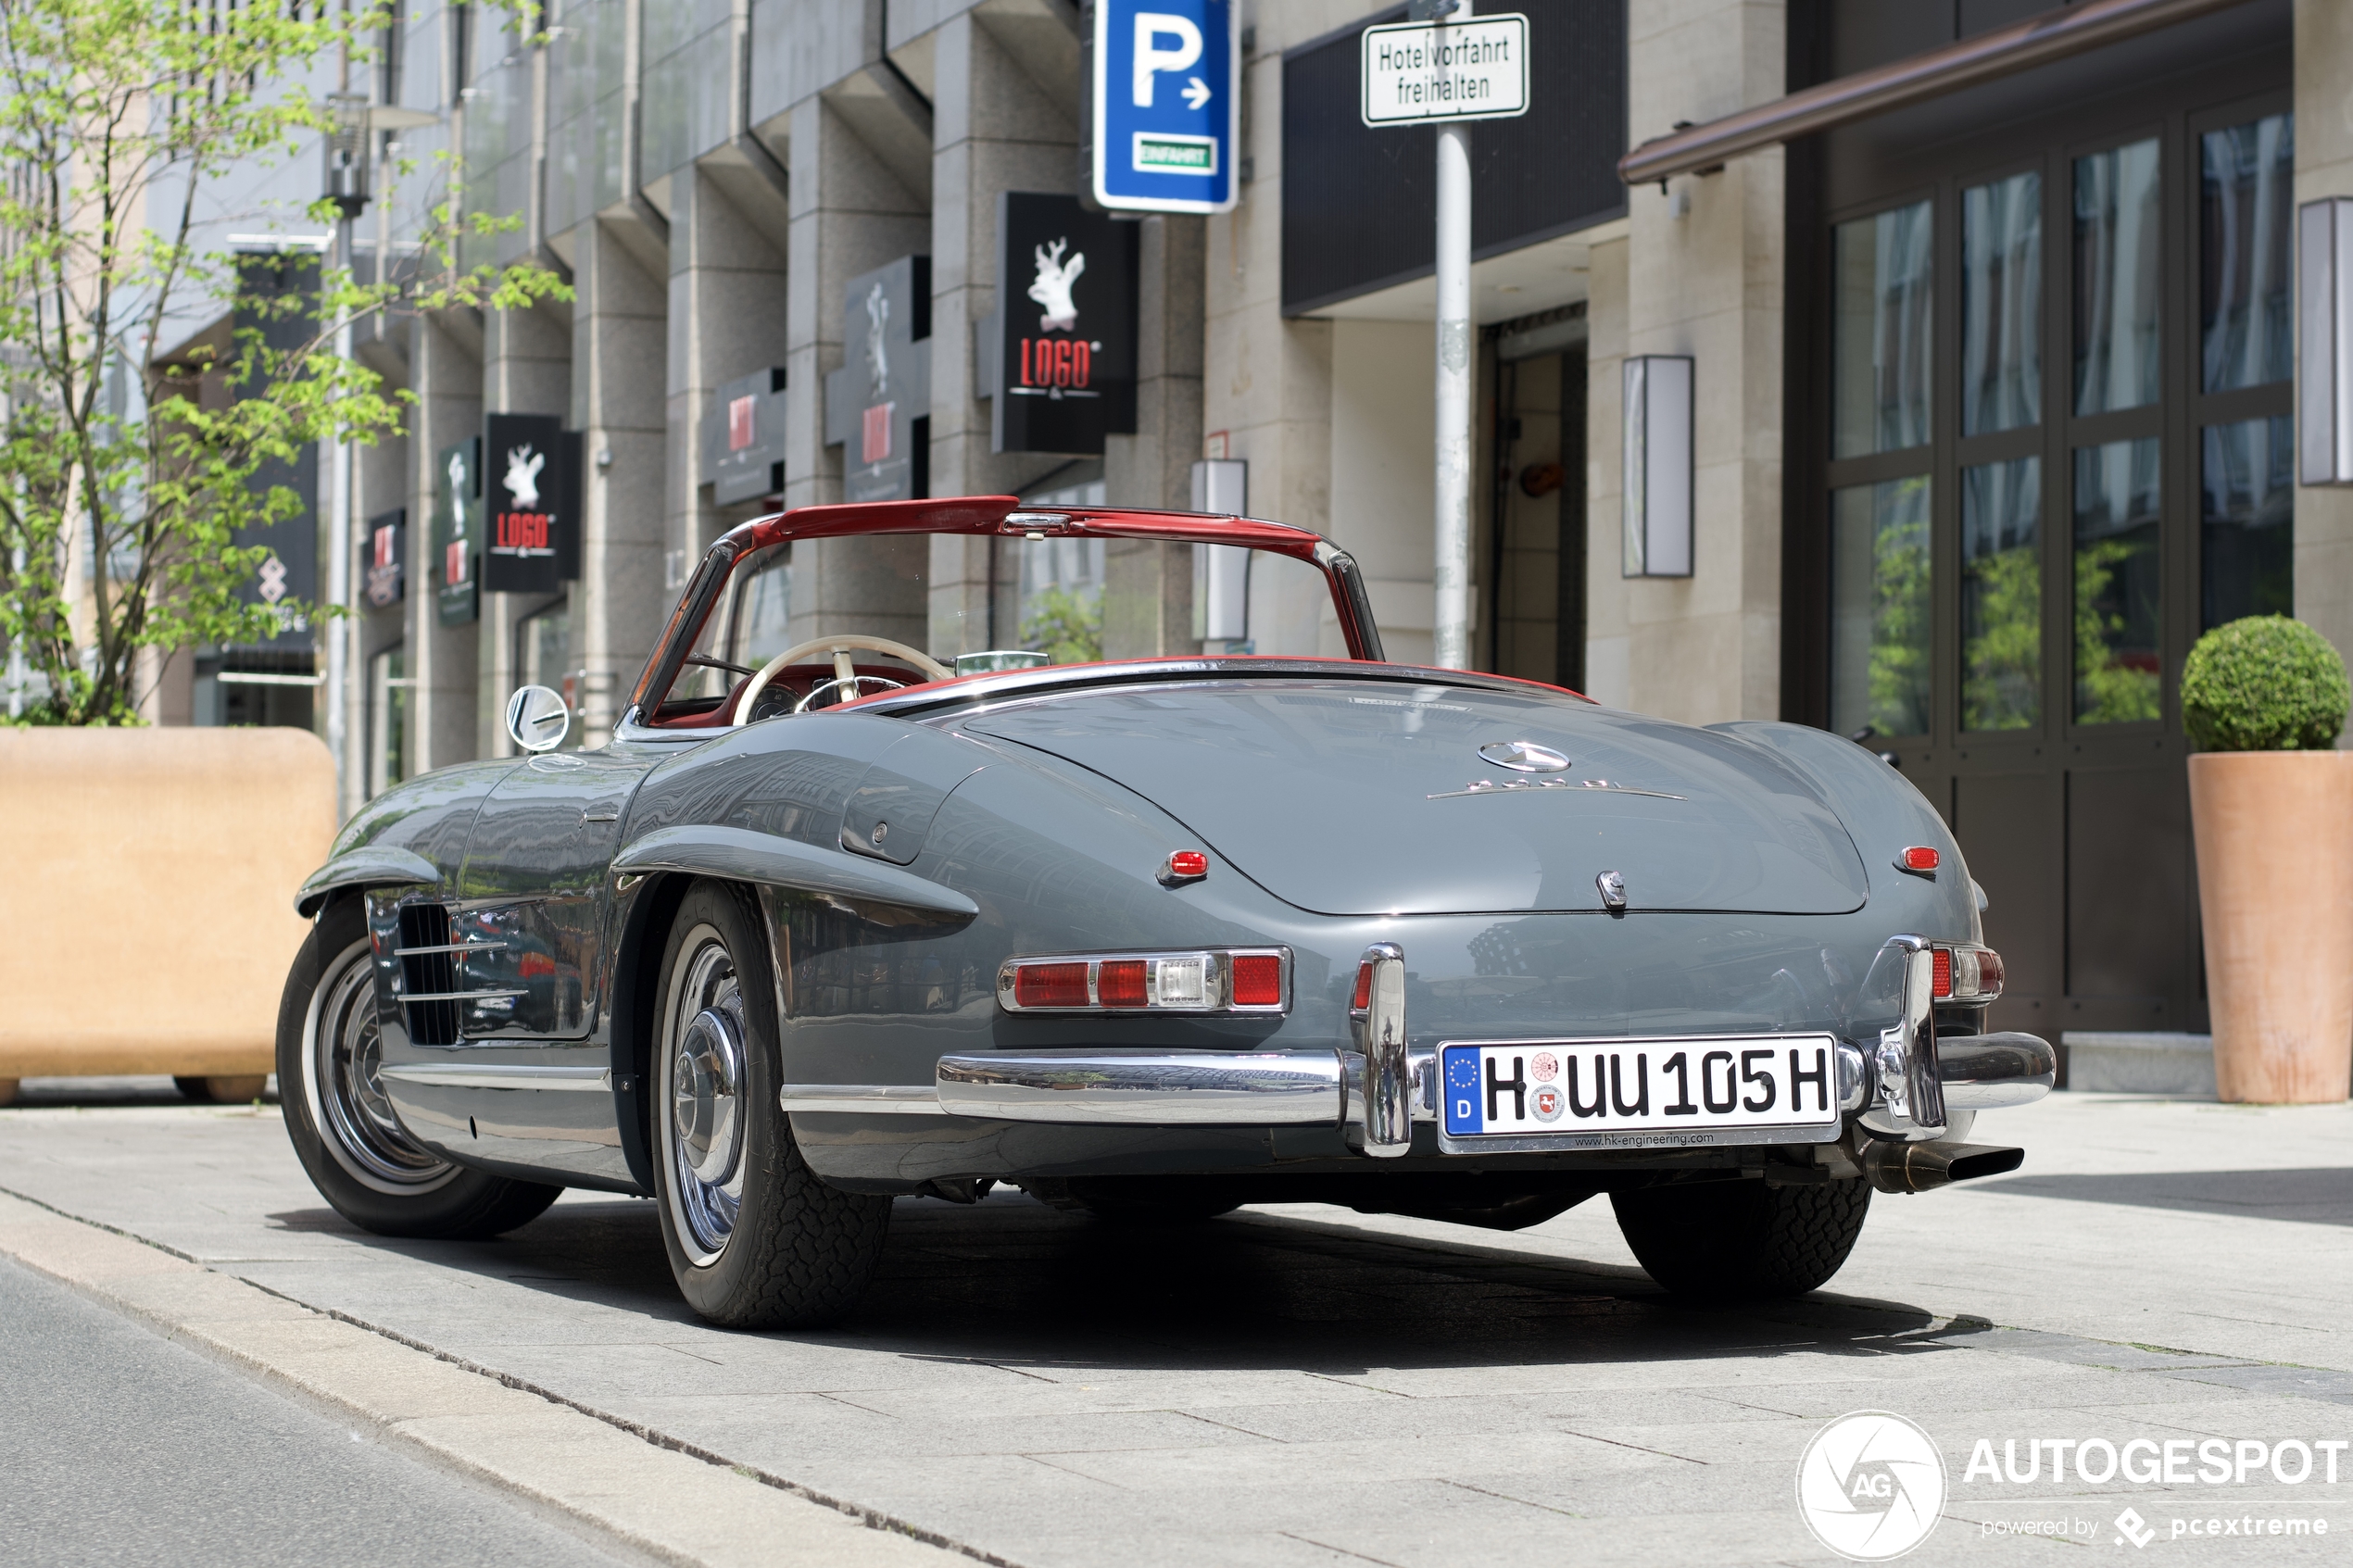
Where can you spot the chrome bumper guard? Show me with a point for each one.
(1991, 1072)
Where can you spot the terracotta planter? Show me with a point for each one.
(2275, 889)
(149, 918)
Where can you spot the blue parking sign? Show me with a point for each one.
(1167, 104)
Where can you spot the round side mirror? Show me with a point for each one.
(537, 718)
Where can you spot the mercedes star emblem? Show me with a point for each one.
(1522, 756)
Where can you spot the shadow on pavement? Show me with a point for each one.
(1012, 1283)
(2323, 1196)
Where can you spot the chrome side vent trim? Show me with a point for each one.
(429, 974)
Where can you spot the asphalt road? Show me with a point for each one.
(1306, 1385)
(119, 1446)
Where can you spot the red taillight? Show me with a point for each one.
(1990, 974)
(1258, 980)
(1943, 961)
(1921, 857)
(1186, 865)
(1364, 988)
(1050, 985)
(1120, 983)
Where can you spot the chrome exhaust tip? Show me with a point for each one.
(1917, 1167)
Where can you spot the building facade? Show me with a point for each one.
(1991, 406)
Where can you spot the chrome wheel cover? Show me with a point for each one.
(341, 1055)
(702, 1103)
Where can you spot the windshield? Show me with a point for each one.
(909, 609)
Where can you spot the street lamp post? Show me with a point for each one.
(348, 188)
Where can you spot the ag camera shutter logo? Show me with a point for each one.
(1871, 1486)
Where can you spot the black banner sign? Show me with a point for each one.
(387, 558)
(532, 469)
(878, 403)
(457, 532)
(1066, 326)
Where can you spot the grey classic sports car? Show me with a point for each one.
(830, 921)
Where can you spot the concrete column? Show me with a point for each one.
(1701, 276)
(619, 319)
(526, 369)
(726, 320)
(1148, 589)
(850, 214)
(1002, 120)
(384, 472)
(2324, 168)
(1608, 633)
(447, 354)
(1267, 389)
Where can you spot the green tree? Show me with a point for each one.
(1065, 627)
(125, 482)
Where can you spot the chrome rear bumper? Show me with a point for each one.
(1161, 1088)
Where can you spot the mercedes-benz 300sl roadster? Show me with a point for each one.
(830, 921)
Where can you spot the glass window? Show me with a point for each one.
(2118, 670)
(762, 626)
(387, 718)
(1879, 606)
(2245, 300)
(544, 647)
(2116, 236)
(2246, 563)
(2002, 304)
(2002, 595)
(1881, 333)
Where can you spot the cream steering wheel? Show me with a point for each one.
(845, 672)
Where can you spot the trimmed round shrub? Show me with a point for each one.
(2264, 683)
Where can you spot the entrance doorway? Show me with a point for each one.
(2049, 446)
(1536, 539)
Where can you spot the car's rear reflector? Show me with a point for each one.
(1944, 961)
(1213, 980)
(1920, 858)
(1258, 980)
(1184, 865)
(1364, 997)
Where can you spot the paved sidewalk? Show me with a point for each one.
(1307, 1386)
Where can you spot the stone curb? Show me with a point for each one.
(613, 1482)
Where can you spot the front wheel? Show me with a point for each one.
(359, 1157)
(756, 1238)
(1742, 1239)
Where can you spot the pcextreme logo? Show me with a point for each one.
(1871, 1486)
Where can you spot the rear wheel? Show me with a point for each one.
(756, 1238)
(1742, 1239)
(359, 1157)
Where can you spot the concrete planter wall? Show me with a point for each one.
(2274, 835)
(149, 922)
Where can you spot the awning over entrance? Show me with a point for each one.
(2054, 35)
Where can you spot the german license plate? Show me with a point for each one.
(1646, 1093)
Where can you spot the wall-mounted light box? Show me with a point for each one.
(1658, 475)
(2325, 341)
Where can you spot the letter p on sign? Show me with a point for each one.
(1151, 59)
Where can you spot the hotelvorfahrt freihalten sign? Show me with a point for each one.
(532, 474)
(878, 403)
(1065, 371)
(457, 532)
(1475, 69)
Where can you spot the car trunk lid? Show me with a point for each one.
(1372, 797)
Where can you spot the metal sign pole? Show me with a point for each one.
(1451, 579)
(1448, 68)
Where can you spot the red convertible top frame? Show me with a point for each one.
(1006, 517)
